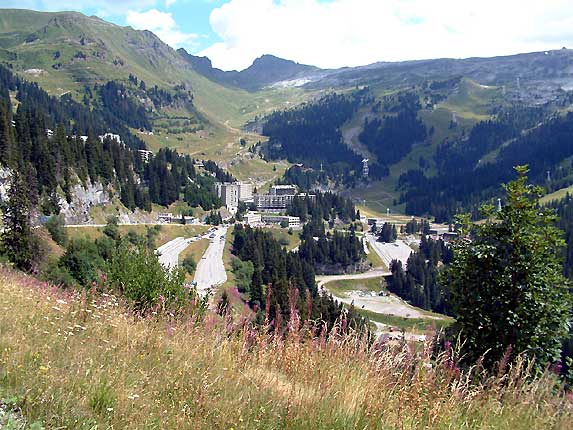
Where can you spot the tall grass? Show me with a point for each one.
(80, 361)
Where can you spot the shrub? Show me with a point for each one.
(189, 264)
(137, 273)
(56, 226)
(83, 261)
(243, 271)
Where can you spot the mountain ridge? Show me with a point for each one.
(265, 70)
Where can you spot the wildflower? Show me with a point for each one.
(133, 397)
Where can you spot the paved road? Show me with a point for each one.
(388, 305)
(391, 251)
(169, 253)
(211, 270)
(376, 273)
(133, 223)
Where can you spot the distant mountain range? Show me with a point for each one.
(265, 71)
(200, 109)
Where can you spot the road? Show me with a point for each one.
(398, 250)
(169, 253)
(211, 269)
(388, 304)
(376, 273)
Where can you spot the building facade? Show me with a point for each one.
(228, 193)
(291, 221)
(245, 191)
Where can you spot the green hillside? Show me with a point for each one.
(65, 51)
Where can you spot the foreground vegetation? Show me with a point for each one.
(81, 361)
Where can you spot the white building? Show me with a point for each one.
(229, 194)
(253, 219)
(111, 136)
(283, 190)
(145, 155)
(165, 217)
(291, 221)
(279, 199)
(245, 191)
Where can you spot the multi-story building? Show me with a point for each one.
(279, 199)
(229, 193)
(245, 191)
(291, 221)
(283, 190)
(145, 155)
(271, 202)
(252, 218)
(111, 136)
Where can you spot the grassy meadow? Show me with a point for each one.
(165, 234)
(70, 360)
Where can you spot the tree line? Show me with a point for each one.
(310, 134)
(330, 252)
(282, 281)
(419, 283)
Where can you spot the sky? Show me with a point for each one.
(337, 33)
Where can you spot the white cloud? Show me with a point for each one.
(163, 25)
(169, 3)
(356, 32)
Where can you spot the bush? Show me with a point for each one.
(189, 264)
(140, 277)
(58, 275)
(111, 229)
(243, 271)
(82, 260)
(56, 226)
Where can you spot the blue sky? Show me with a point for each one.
(337, 33)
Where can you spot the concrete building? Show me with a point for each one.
(229, 193)
(292, 221)
(145, 155)
(111, 136)
(365, 168)
(272, 203)
(245, 191)
(280, 197)
(283, 190)
(253, 219)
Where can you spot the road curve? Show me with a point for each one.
(375, 273)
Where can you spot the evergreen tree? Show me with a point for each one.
(16, 237)
(507, 286)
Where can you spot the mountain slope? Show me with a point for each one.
(265, 71)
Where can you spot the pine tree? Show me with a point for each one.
(16, 237)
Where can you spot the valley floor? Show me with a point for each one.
(79, 361)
